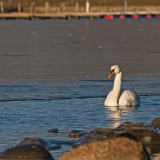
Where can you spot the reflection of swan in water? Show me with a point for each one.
(117, 113)
(118, 97)
(114, 114)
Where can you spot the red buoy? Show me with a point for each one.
(148, 16)
(158, 15)
(109, 17)
(135, 16)
(122, 16)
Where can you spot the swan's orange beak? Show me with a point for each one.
(110, 75)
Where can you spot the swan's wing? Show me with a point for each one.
(129, 98)
(110, 100)
(109, 96)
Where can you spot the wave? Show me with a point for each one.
(64, 97)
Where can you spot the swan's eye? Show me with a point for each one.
(112, 70)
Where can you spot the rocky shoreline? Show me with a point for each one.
(127, 141)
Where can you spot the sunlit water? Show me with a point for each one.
(31, 110)
(60, 81)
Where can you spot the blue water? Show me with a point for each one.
(32, 109)
(53, 74)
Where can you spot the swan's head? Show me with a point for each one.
(115, 69)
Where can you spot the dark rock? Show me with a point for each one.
(121, 148)
(128, 135)
(53, 130)
(156, 122)
(97, 135)
(76, 134)
(27, 152)
(128, 125)
(36, 140)
(145, 134)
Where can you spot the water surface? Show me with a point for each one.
(53, 74)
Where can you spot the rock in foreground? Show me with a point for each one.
(158, 157)
(121, 148)
(36, 140)
(148, 135)
(26, 152)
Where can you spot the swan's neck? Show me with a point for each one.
(117, 85)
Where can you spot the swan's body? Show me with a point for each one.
(118, 97)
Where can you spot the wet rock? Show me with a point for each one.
(27, 152)
(53, 130)
(36, 140)
(121, 148)
(76, 134)
(145, 134)
(148, 135)
(128, 125)
(97, 135)
(128, 135)
(157, 157)
(156, 122)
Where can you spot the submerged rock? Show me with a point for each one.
(53, 130)
(36, 140)
(76, 134)
(95, 135)
(121, 148)
(156, 122)
(145, 134)
(27, 152)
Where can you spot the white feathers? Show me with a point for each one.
(118, 97)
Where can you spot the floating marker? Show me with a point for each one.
(109, 17)
(148, 16)
(122, 16)
(135, 16)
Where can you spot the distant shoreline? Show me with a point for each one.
(79, 15)
(67, 9)
(77, 11)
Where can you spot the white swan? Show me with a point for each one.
(118, 97)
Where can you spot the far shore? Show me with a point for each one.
(76, 8)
